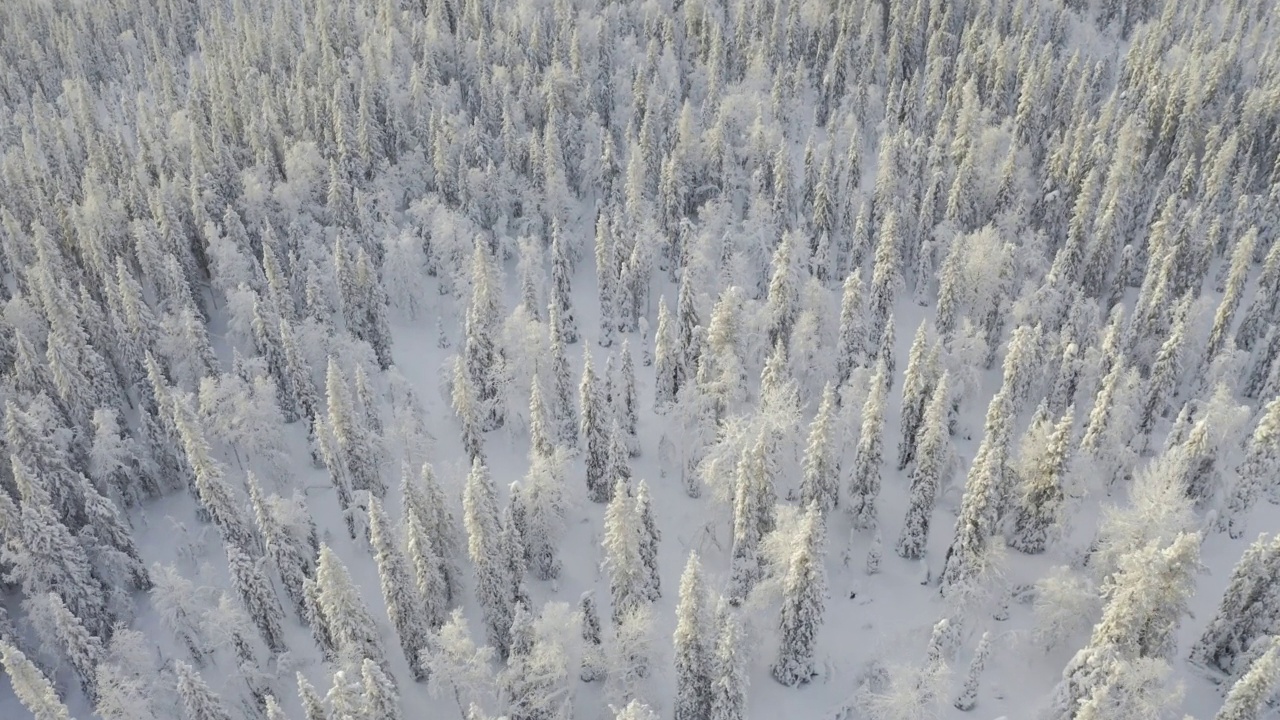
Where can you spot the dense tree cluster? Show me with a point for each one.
(701, 266)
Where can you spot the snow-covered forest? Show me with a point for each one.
(640, 359)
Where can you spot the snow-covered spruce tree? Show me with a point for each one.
(649, 538)
(617, 462)
(484, 547)
(564, 416)
(821, 466)
(424, 501)
(607, 281)
(630, 657)
(258, 596)
(926, 475)
(885, 277)
(1257, 473)
(561, 291)
(466, 406)
(198, 700)
(968, 697)
(594, 428)
(346, 617)
(1241, 261)
(300, 379)
(593, 663)
(693, 645)
(428, 577)
(623, 535)
(721, 374)
(1247, 696)
(1247, 610)
(628, 403)
(355, 438)
(916, 387)
(481, 354)
(379, 700)
(31, 687)
(688, 322)
(728, 671)
(864, 482)
(885, 353)
(666, 359)
(216, 497)
(1164, 375)
(312, 704)
(272, 709)
(803, 602)
(851, 346)
(744, 564)
(544, 504)
(511, 544)
(405, 606)
(783, 297)
(1146, 600)
(292, 559)
(57, 627)
(1042, 470)
(978, 517)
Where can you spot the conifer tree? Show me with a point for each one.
(345, 615)
(926, 475)
(628, 403)
(1145, 602)
(561, 292)
(32, 688)
(592, 652)
(783, 299)
(1247, 696)
(979, 508)
(1257, 473)
(514, 555)
(666, 359)
(821, 466)
(82, 650)
(481, 355)
(864, 483)
(198, 700)
(312, 705)
(273, 710)
(424, 500)
(484, 547)
(744, 566)
(380, 700)
(405, 606)
(215, 496)
(1247, 609)
(885, 277)
(728, 671)
(803, 602)
(693, 644)
(851, 345)
(968, 697)
(355, 438)
(594, 428)
(617, 466)
(258, 597)
(467, 408)
(623, 536)
(649, 538)
(1043, 470)
(293, 559)
(687, 323)
(428, 575)
(915, 395)
(562, 410)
